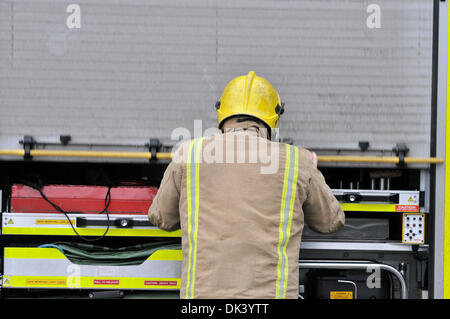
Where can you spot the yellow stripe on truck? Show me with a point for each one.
(91, 282)
(357, 207)
(33, 253)
(446, 279)
(89, 232)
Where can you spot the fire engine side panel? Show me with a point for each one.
(446, 254)
(439, 181)
(139, 69)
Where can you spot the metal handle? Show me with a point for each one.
(118, 222)
(355, 197)
(354, 286)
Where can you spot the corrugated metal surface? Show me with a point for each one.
(139, 69)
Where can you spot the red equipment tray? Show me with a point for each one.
(82, 199)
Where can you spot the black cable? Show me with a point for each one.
(105, 210)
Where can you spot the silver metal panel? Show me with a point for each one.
(139, 69)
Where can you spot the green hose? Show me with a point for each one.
(87, 254)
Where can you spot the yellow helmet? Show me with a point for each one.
(250, 95)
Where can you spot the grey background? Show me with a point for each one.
(139, 69)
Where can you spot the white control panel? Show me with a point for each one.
(413, 228)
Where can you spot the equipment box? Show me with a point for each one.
(50, 268)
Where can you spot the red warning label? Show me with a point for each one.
(160, 283)
(406, 208)
(106, 282)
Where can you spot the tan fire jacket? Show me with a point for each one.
(242, 213)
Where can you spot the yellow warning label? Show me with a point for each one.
(10, 222)
(46, 282)
(341, 294)
(6, 282)
(411, 199)
(53, 222)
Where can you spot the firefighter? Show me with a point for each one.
(242, 213)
